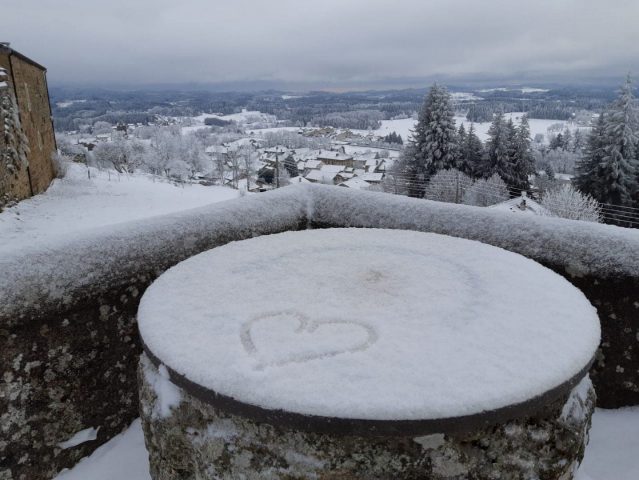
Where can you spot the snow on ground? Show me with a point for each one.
(614, 446)
(245, 117)
(77, 203)
(123, 457)
(404, 126)
(610, 455)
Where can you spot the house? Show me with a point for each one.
(26, 114)
(326, 174)
(522, 204)
(355, 183)
(329, 157)
(372, 177)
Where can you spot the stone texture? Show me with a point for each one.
(615, 372)
(66, 374)
(198, 441)
(29, 83)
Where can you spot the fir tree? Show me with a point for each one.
(522, 161)
(497, 159)
(291, 166)
(615, 179)
(578, 141)
(473, 151)
(433, 146)
(461, 135)
(587, 167)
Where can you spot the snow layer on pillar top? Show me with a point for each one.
(581, 248)
(369, 324)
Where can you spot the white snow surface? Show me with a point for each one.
(168, 395)
(76, 203)
(405, 126)
(611, 453)
(124, 458)
(370, 324)
(614, 444)
(86, 435)
(580, 248)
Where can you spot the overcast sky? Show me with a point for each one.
(323, 43)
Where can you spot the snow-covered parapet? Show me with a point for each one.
(46, 277)
(580, 248)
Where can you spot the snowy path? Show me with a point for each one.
(611, 454)
(77, 203)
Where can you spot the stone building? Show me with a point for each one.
(27, 141)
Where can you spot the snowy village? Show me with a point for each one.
(329, 246)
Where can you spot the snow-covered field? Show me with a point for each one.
(404, 126)
(77, 203)
(610, 455)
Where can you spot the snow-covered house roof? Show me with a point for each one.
(370, 165)
(215, 149)
(313, 164)
(324, 175)
(372, 177)
(299, 179)
(332, 168)
(356, 183)
(522, 204)
(330, 155)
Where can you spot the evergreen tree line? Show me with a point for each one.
(485, 110)
(436, 144)
(609, 167)
(393, 137)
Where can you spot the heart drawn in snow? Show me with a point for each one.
(278, 338)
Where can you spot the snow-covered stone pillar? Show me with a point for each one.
(189, 438)
(365, 354)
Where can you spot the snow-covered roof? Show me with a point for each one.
(521, 205)
(299, 179)
(320, 176)
(332, 168)
(330, 155)
(313, 164)
(372, 177)
(477, 349)
(356, 183)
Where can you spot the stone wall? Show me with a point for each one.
(14, 184)
(29, 84)
(35, 115)
(69, 345)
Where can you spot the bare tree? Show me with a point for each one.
(447, 186)
(566, 202)
(486, 192)
(234, 159)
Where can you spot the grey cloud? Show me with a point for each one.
(328, 42)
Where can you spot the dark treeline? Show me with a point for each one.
(74, 108)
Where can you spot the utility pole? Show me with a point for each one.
(277, 169)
